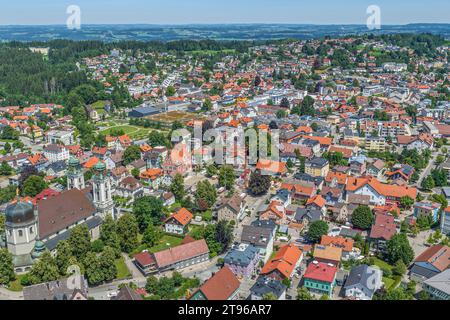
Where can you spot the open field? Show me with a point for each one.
(172, 116)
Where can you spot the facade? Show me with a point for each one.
(233, 209)
(178, 222)
(243, 260)
(427, 209)
(101, 188)
(445, 221)
(320, 278)
(438, 287)
(60, 136)
(362, 282)
(261, 237)
(221, 286)
(55, 153)
(266, 285)
(317, 167)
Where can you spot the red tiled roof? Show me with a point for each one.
(284, 261)
(321, 272)
(221, 285)
(181, 253)
(384, 227)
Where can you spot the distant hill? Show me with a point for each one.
(112, 33)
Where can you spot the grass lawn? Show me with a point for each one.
(15, 285)
(165, 243)
(382, 264)
(388, 282)
(125, 128)
(122, 269)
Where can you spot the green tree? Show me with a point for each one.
(362, 217)
(152, 235)
(6, 267)
(148, 210)
(316, 230)
(406, 202)
(304, 294)
(156, 139)
(398, 248)
(170, 91)
(109, 236)
(205, 195)
(5, 169)
(259, 184)
(399, 268)
(269, 296)
(94, 273)
(128, 230)
(7, 147)
(428, 183)
(63, 255)
(131, 154)
(227, 177)
(44, 270)
(177, 187)
(80, 241)
(107, 264)
(33, 186)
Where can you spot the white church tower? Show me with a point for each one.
(75, 176)
(101, 188)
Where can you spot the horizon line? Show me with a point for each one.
(224, 24)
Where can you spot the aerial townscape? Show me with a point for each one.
(136, 170)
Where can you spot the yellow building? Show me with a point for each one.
(317, 167)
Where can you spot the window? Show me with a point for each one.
(20, 233)
(31, 230)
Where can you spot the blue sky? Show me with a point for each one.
(223, 11)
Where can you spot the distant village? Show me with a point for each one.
(118, 194)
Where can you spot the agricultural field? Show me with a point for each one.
(172, 116)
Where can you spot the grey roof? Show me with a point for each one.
(422, 271)
(440, 281)
(310, 214)
(269, 224)
(318, 162)
(54, 290)
(347, 232)
(446, 192)
(363, 275)
(266, 285)
(258, 236)
(241, 257)
(53, 242)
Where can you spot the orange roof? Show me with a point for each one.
(322, 140)
(327, 252)
(145, 148)
(183, 216)
(304, 129)
(284, 261)
(298, 188)
(272, 166)
(339, 176)
(152, 173)
(387, 190)
(347, 153)
(91, 162)
(317, 200)
(340, 242)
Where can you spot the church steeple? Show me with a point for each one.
(101, 188)
(75, 177)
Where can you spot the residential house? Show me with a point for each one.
(346, 244)
(130, 187)
(362, 282)
(58, 290)
(427, 209)
(431, 262)
(383, 229)
(261, 237)
(178, 222)
(232, 209)
(56, 152)
(267, 285)
(445, 221)
(438, 286)
(317, 167)
(243, 260)
(329, 254)
(320, 278)
(221, 286)
(284, 264)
